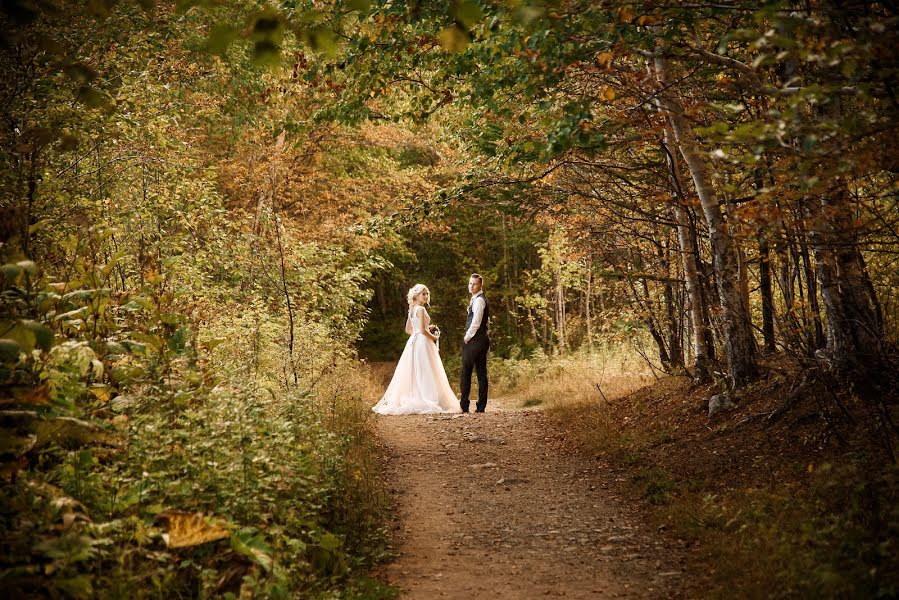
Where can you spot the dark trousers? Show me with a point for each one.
(474, 357)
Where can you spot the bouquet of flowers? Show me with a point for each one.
(435, 331)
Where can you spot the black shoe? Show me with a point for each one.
(480, 411)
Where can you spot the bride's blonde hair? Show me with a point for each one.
(415, 291)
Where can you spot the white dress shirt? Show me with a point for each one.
(477, 305)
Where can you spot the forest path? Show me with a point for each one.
(492, 506)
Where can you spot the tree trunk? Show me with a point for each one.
(587, 297)
(815, 336)
(664, 356)
(854, 334)
(739, 343)
(767, 293)
(674, 339)
(685, 235)
(785, 275)
(560, 309)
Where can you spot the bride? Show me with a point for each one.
(419, 384)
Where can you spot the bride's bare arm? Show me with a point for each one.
(409, 324)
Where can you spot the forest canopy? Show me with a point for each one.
(210, 211)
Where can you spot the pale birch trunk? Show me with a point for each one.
(588, 295)
(699, 333)
(854, 333)
(739, 344)
(560, 309)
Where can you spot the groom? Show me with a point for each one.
(475, 344)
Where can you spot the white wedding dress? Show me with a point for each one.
(419, 384)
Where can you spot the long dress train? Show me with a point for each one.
(419, 384)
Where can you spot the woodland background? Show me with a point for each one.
(211, 212)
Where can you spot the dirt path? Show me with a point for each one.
(491, 506)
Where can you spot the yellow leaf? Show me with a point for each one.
(608, 94)
(626, 14)
(101, 392)
(191, 529)
(604, 59)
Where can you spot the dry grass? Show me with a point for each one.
(596, 377)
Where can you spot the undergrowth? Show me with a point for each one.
(147, 455)
(817, 529)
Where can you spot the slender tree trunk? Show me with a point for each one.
(706, 289)
(507, 280)
(533, 326)
(767, 293)
(29, 206)
(381, 297)
(560, 309)
(739, 343)
(685, 235)
(547, 342)
(765, 287)
(654, 331)
(273, 191)
(587, 296)
(641, 304)
(872, 293)
(816, 335)
(675, 351)
(785, 277)
(676, 355)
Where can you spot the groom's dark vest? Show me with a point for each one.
(482, 330)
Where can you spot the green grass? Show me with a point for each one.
(657, 485)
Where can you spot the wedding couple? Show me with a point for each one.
(419, 384)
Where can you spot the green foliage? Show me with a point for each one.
(834, 539)
(146, 372)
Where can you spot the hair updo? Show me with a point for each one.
(415, 292)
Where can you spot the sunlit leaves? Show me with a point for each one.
(220, 37)
(454, 38)
(91, 97)
(604, 59)
(323, 39)
(251, 544)
(68, 143)
(191, 529)
(27, 334)
(527, 13)
(267, 34)
(360, 5)
(80, 72)
(467, 12)
(147, 256)
(626, 14)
